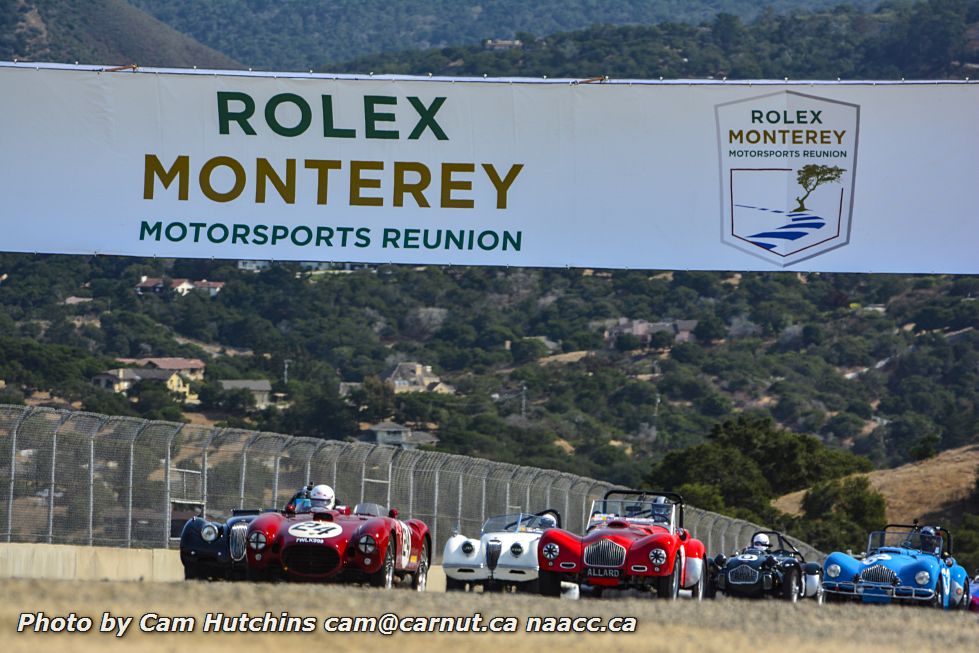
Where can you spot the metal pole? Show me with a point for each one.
(482, 505)
(459, 508)
(435, 509)
(363, 474)
(54, 475)
(13, 469)
(390, 468)
(168, 521)
(129, 499)
(207, 443)
(91, 490)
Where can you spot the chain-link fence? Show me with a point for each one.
(82, 478)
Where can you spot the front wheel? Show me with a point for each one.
(791, 585)
(549, 583)
(419, 580)
(700, 591)
(384, 577)
(669, 586)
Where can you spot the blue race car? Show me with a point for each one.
(904, 564)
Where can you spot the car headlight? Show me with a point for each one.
(367, 545)
(516, 550)
(551, 550)
(209, 532)
(833, 571)
(657, 557)
(468, 548)
(257, 541)
(922, 577)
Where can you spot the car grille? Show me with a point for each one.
(879, 574)
(742, 575)
(236, 540)
(313, 560)
(493, 548)
(605, 553)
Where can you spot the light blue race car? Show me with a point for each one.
(904, 564)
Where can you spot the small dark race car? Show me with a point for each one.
(634, 540)
(770, 566)
(368, 544)
(216, 550)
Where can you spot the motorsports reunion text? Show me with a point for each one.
(389, 623)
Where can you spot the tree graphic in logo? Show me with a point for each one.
(811, 177)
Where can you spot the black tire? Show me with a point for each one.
(669, 586)
(192, 573)
(938, 601)
(791, 588)
(710, 592)
(966, 596)
(549, 583)
(530, 587)
(454, 585)
(384, 577)
(419, 579)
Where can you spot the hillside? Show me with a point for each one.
(929, 490)
(108, 32)
(300, 34)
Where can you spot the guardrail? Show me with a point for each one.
(84, 478)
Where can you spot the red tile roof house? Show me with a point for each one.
(189, 368)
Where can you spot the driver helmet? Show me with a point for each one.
(930, 539)
(760, 541)
(661, 508)
(322, 497)
(547, 521)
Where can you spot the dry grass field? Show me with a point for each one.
(928, 490)
(723, 625)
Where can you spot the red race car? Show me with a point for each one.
(315, 540)
(634, 540)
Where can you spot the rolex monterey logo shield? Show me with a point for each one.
(788, 163)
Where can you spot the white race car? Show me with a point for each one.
(503, 557)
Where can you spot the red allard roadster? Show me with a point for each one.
(634, 540)
(368, 544)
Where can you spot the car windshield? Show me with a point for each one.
(645, 511)
(519, 522)
(906, 540)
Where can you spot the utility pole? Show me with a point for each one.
(285, 371)
(523, 401)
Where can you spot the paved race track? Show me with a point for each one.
(723, 625)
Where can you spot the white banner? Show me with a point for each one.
(858, 176)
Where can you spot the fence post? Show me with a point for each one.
(459, 508)
(168, 521)
(207, 445)
(244, 469)
(54, 475)
(27, 412)
(129, 498)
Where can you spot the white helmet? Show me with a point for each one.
(322, 496)
(760, 541)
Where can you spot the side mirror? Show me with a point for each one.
(682, 534)
(720, 560)
(290, 509)
(393, 513)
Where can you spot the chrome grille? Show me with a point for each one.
(493, 548)
(879, 574)
(605, 553)
(236, 540)
(742, 575)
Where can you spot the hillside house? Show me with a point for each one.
(122, 380)
(160, 285)
(415, 377)
(261, 389)
(396, 435)
(191, 369)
